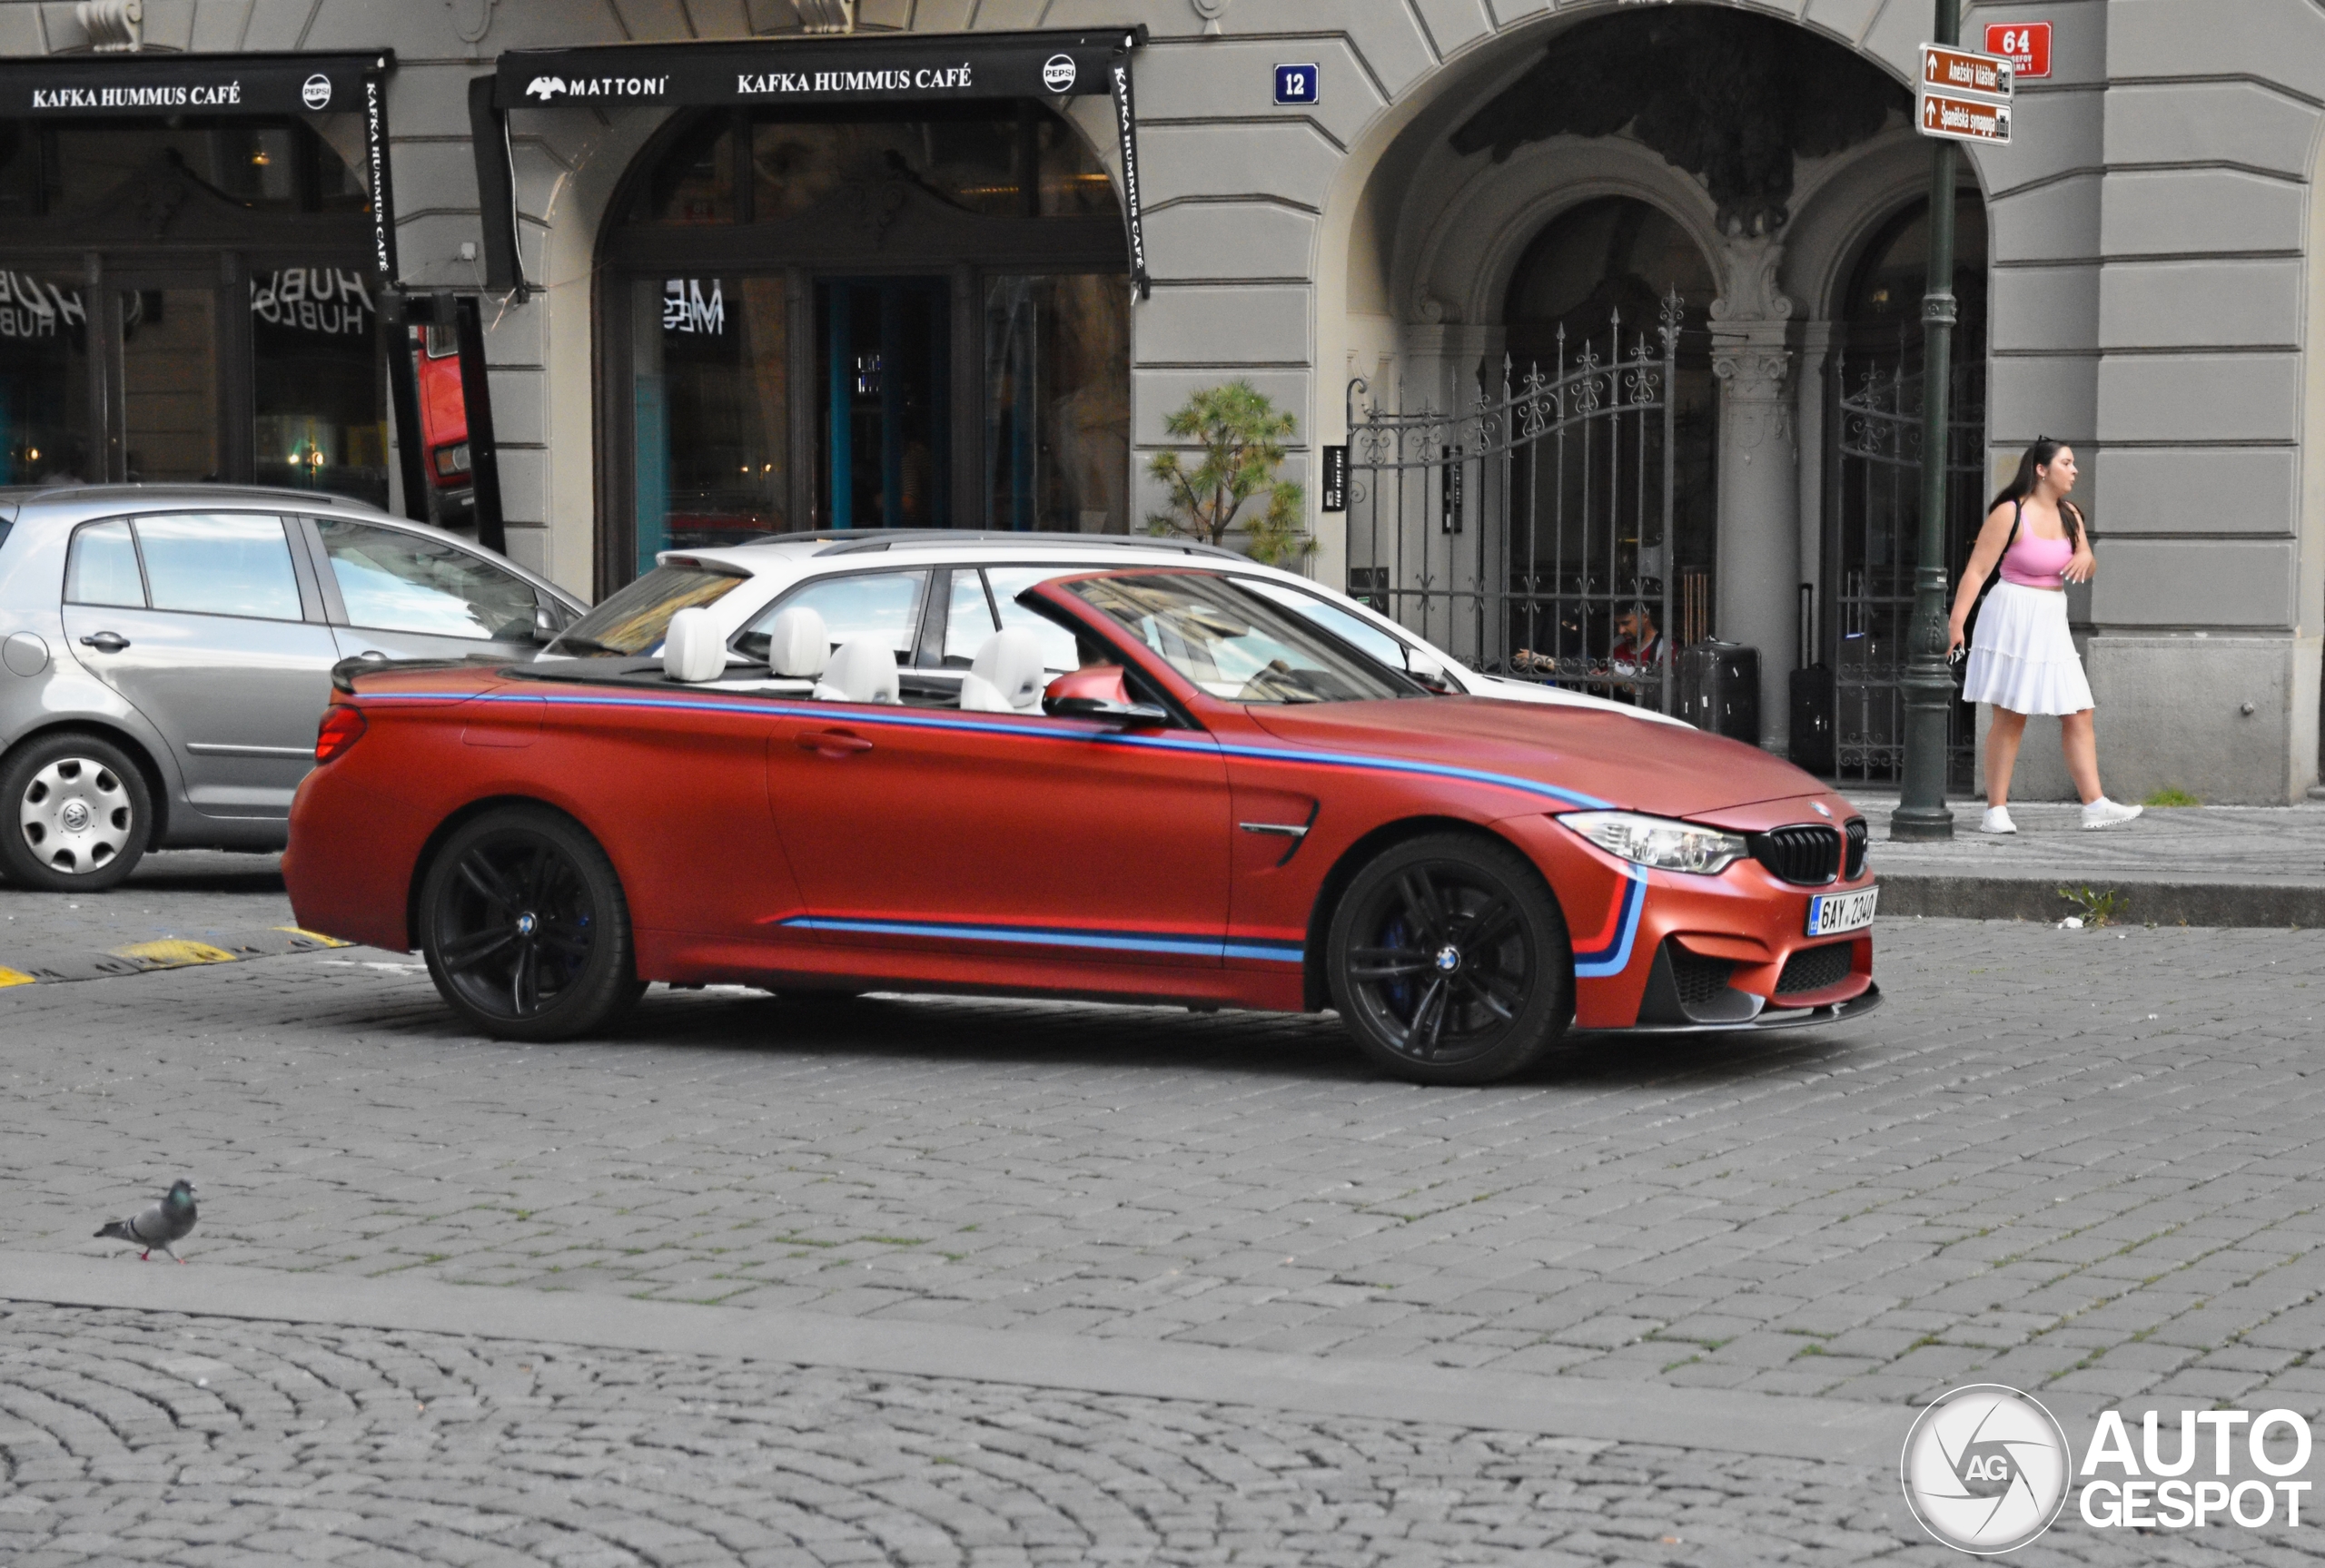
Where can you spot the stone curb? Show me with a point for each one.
(161, 953)
(2145, 901)
(1781, 1425)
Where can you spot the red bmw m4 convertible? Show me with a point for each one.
(1223, 806)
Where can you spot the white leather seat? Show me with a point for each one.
(692, 649)
(798, 645)
(862, 670)
(1007, 676)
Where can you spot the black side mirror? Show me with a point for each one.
(1128, 714)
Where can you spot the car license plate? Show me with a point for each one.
(1830, 914)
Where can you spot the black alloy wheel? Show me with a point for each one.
(1450, 962)
(75, 815)
(525, 929)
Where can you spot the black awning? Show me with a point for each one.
(96, 86)
(116, 86)
(895, 68)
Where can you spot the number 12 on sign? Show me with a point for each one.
(1296, 83)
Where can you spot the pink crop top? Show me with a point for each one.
(2033, 563)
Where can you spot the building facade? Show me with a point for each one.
(1615, 307)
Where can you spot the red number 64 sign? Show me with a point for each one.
(2025, 44)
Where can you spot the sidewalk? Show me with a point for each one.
(2177, 865)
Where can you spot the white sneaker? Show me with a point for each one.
(2104, 813)
(1997, 820)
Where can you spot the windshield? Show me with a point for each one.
(1234, 644)
(632, 621)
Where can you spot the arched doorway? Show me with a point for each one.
(1595, 280)
(857, 322)
(1872, 518)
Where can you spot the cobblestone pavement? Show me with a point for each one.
(175, 892)
(2082, 1161)
(157, 1438)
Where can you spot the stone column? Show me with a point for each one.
(1758, 568)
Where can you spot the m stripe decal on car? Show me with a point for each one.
(1057, 936)
(855, 714)
(1609, 951)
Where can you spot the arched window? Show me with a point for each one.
(1604, 266)
(1873, 506)
(852, 322)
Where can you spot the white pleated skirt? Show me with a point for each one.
(2021, 657)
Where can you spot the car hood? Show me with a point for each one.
(1668, 770)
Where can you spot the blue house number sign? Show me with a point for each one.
(1295, 83)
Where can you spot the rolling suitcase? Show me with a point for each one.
(1719, 689)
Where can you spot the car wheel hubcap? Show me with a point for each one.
(515, 925)
(1447, 966)
(75, 816)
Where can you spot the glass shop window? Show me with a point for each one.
(44, 381)
(713, 412)
(318, 392)
(1057, 404)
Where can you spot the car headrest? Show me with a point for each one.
(1007, 669)
(862, 670)
(692, 648)
(798, 645)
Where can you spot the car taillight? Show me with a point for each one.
(342, 728)
(452, 460)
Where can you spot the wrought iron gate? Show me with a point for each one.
(1872, 550)
(1517, 535)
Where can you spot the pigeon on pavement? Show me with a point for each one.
(166, 1221)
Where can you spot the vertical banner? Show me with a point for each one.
(495, 190)
(1126, 124)
(375, 155)
(484, 450)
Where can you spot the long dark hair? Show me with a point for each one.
(2022, 484)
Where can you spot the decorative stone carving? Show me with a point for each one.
(1749, 292)
(114, 26)
(1729, 96)
(471, 19)
(827, 15)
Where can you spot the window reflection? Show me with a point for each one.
(44, 381)
(318, 391)
(713, 411)
(1057, 404)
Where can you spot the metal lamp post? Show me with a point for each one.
(1928, 685)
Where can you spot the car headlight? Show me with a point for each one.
(1659, 842)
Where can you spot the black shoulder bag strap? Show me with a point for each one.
(2017, 516)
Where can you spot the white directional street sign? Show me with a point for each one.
(1964, 96)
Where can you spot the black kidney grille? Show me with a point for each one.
(1856, 832)
(1810, 856)
(1815, 968)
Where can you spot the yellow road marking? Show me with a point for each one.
(15, 977)
(314, 936)
(174, 952)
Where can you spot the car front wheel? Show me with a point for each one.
(74, 814)
(525, 929)
(1449, 962)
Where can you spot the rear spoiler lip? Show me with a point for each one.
(343, 673)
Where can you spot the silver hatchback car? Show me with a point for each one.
(165, 651)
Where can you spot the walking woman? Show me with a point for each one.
(2022, 661)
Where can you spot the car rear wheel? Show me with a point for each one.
(525, 929)
(74, 814)
(1449, 962)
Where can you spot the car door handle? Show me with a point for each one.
(105, 642)
(833, 742)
